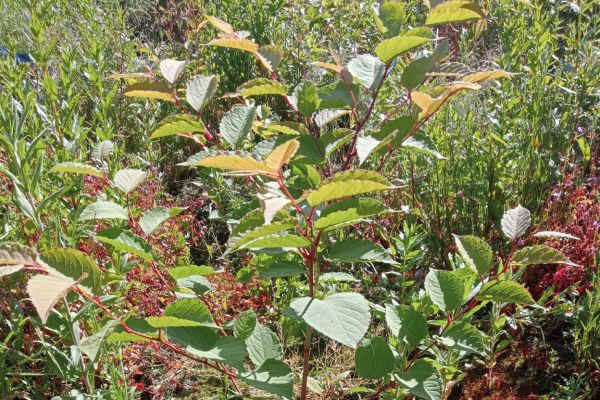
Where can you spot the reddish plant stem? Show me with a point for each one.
(160, 339)
(361, 123)
(413, 130)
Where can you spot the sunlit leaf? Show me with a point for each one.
(359, 250)
(343, 317)
(200, 89)
(539, 254)
(476, 253)
(347, 212)
(125, 241)
(261, 87)
(282, 154)
(236, 124)
(150, 90)
(177, 125)
(270, 56)
(241, 163)
(348, 183)
(368, 70)
(171, 70)
(374, 358)
(128, 180)
(515, 222)
(444, 288)
(73, 264)
(77, 168)
(454, 11)
(391, 48)
(504, 292)
(103, 210)
(47, 290)
(235, 43)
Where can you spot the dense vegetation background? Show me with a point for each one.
(530, 140)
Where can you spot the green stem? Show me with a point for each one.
(76, 341)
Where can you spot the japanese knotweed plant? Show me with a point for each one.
(315, 177)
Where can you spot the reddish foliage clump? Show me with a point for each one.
(231, 298)
(572, 209)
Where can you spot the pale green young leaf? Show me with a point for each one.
(347, 212)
